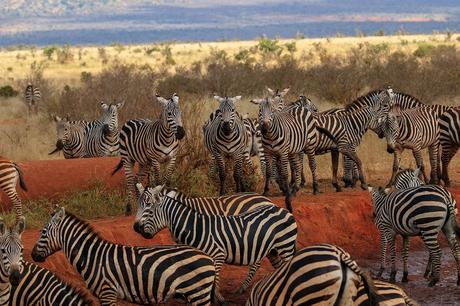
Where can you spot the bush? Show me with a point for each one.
(64, 55)
(423, 50)
(49, 51)
(8, 91)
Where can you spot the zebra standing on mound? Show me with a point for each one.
(53, 291)
(285, 134)
(32, 98)
(10, 173)
(320, 273)
(418, 211)
(243, 239)
(415, 129)
(226, 136)
(139, 275)
(11, 263)
(150, 143)
(449, 124)
(84, 139)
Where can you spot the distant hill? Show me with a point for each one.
(44, 22)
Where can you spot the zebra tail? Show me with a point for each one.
(410, 302)
(327, 133)
(370, 288)
(22, 182)
(118, 167)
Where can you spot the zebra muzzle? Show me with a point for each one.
(180, 133)
(59, 147)
(390, 150)
(15, 277)
(36, 256)
(138, 228)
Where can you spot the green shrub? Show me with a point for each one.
(7, 91)
(49, 51)
(423, 50)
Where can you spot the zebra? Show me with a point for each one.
(225, 136)
(285, 134)
(389, 295)
(10, 173)
(84, 139)
(243, 239)
(52, 290)
(11, 263)
(321, 273)
(418, 211)
(449, 138)
(416, 129)
(150, 143)
(32, 97)
(141, 275)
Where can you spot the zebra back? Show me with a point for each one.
(32, 94)
(449, 124)
(389, 295)
(408, 178)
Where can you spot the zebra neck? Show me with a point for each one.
(180, 219)
(165, 131)
(78, 241)
(5, 291)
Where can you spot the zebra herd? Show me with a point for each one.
(242, 228)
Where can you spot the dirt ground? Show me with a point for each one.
(320, 219)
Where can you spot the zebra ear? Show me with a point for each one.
(256, 101)
(103, 105)
(285, 91)
(236, 99)
(140, 188)
(162, 100)
(270, 91)
(387, 190)
(57, 118)
(218, 98)
(120, 105)
(20, 226)
(175, 98)
(416, 172)
(2, 227)
(370, 188)
(58, 216)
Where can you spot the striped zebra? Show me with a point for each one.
(139, 275)
(11, 262)
(285, 134)
(150, 143)
(389, 295)
(225, 136)
(10, 173)
(418, 211)
(415, 129)
(32, 97)
(85, 139)
(449, 125)
(243, 239)
(320, 274)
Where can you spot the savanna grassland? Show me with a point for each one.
(331, 71)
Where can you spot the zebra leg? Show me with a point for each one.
(449, 232)
(252, 271)
(218, 263)
(428, 268)
(296, 169)
(419, 161)
(392, 258)
(10, 191)
(335, 169)
(155, 168)
(221, 169)
(433, 151)
(448, 152)
(141, 174)
(347, 173)
(303, 181)
(431, 242)
(268, 173)
(128, 168)
(283, 161)
(405, 255)
(312, 164)
(237, 173)
(394, 169)
(169, 170)
(354, 157)
(383, 253)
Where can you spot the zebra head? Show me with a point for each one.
(172, 114)
(307, 103)
(266, 111)
(390, 128)
(11, 250)
(150, 218)
(110, 117)
(278, 97)
(63, 129)
(378, 196)
(49, 241)
(227, 113)
(408, 178)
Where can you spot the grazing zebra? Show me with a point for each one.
(285, 134)
(11, 263)
(150, 143)
(139, 275)
(83, 139)
(449, 125)
(9, 175)
(418, 211)
(225, 136)
(243, 239)
(389, 295)
(321, 273)
(32, 97)
(416, 129)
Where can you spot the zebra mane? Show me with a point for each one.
(86, 224)
(410, 97)
(361, 101)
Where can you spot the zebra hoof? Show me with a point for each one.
(364, 186)
(458, 280)
(433, 282)
(405, 278)
(393, 277)
(240, 291)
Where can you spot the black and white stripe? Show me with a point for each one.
(139, 275)
(449, 124)
(389, 295)
(243, 239)
(320, 273)
(32, 98)
(418, 211)
(84, 139)
(10, 173)
(285, 134)
(225, 136)
(151, 143)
